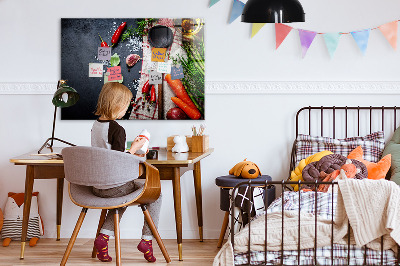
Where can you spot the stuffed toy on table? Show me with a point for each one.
(13, 215)
(245, 169)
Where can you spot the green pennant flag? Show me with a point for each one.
(213, 2)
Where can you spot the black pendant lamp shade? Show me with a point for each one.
(273, 11)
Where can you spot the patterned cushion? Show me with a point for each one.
(372, 144)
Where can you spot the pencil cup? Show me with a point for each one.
(200, 143)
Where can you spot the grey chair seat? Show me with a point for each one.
(83, 196)
(85, 167)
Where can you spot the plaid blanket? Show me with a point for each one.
(323, 205)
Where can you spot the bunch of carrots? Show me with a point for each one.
(182, 100)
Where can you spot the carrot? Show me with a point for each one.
(193, 113)
(177, 86)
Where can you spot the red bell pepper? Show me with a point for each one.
(153, 95)
(103, 43)
(146, 88)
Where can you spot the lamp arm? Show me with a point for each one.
(54, 127)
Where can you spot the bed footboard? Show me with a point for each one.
(309, 256)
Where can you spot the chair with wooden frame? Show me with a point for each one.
(85, 167)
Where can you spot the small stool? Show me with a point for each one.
(226, 183)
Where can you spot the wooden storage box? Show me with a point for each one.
(171, 143)
(200, 143)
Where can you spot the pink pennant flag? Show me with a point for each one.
(389, 30)
(281, 31)
(306, 39)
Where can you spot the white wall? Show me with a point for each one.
(257, 126)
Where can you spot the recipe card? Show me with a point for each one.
(95, 70)
(104, 53)
(177, 72)
(155, 77)
(164, 67)
(158, 54)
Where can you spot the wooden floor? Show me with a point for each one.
(50, 252)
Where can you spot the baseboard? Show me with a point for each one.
(248, 87)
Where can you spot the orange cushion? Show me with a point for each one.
(375, 170)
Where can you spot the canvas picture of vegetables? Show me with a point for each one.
(171, 88)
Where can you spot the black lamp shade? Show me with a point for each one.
(273, 11)
(65, 96)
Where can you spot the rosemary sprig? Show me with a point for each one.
(143, 25)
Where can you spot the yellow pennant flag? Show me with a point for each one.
(256, 28)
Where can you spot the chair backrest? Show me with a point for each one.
(92, 166)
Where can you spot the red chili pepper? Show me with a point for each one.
(118, 33)
(103, 43)
(153, 94)
(146, 88)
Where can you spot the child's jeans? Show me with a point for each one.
(154, 208)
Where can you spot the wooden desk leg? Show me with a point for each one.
(176, 183)
(199, 204)
(60, 190)
(27, 206)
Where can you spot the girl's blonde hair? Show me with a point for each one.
(113, 97)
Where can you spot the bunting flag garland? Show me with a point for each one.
(361, 37)
(256, 28)
(332, 41)
(213, 2)
(389, 30)
(281, 31)
(237, 8)
(306, 39)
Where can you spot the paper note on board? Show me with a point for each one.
(155, 77)
(104, 53)
(164, 67)
(158, 54)
(115, 73)
(95, 70)
(177, 72)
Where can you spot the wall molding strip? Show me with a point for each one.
(248, 87)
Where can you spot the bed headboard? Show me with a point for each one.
(344, 121)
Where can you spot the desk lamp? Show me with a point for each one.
(65, 96)
(273, 11)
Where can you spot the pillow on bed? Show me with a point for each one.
(375, 170)
(393, 148)
(372, 145)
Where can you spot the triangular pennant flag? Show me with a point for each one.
(332, 41)
(255, 28)
(281, 31)
(237, 9)
(361, 37)
(389, 30)
(213, 2)
(306, 39)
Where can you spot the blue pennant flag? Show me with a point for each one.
(361, 38)
(332, 41)
(213, 2)
(237, 9)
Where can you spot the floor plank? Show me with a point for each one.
(49, 252)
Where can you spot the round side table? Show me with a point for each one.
(226, 183)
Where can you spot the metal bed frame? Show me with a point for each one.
(283, 184)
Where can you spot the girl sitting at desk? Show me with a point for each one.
(112, 104)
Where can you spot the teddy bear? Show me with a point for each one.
(245, 169)
(180, 144)
(13, 215)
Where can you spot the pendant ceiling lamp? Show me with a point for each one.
(273, 11)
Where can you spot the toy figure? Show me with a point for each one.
(13, 215)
